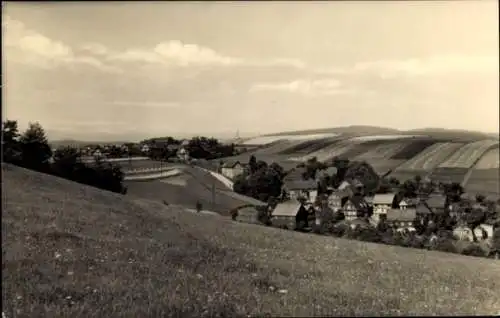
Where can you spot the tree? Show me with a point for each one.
(261, 182)
(480, 198)
(10, 142)
(252, 164)
(66, 161)
(35, 149)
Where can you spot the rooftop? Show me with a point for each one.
(401, 215)
(288, 208)
(387, 198)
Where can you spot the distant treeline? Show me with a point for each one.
(31, 150)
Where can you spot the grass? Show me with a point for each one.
(74, 251)
(198, 187)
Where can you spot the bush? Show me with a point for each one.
(445, 245)
(474, 250)
(366, 235)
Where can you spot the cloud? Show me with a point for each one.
(305, 87)
(177, 53)
(436, 65)
(30, 47)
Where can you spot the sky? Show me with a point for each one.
(129, 70)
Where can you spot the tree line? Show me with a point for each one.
(31, 150)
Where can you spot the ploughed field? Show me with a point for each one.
(71, 250)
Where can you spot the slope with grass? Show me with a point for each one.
(70, 250)
(188, 186)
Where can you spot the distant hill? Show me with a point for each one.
(355, 129)
(450, 133)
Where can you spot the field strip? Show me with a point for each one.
(468, 155)
(269, 139)
(431, 156)
(489, 160)
(328, 152)
(382, 151)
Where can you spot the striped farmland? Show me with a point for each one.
(468, 155)
(430, 157)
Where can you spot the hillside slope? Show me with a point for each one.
(74, 251)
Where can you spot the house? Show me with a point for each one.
(463, 233)
(437, 203)
(484, 232)
(422, 209)
(183, 154)
(232, 169)
(401, 219)
(369, 200)
(145, 148)
(335, 200)
(289, 215)
(248, 214)
(300, 188)
(408, 203)
(354, 208)
(381, 204)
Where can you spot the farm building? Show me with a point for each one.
(484, 232)
(463, 233)
(247, 214)
(381, 204)
(408, 203)
(232, 169)
(355, 207)
(297, 188)
(290, 215)
(401, 219)
(335, 200)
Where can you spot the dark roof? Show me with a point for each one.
(300, 184)
(401, 215)
(409, 201)
(422, 208)
(436, 201)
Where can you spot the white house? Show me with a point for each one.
(463, 233)
(484, 232)
(382, 203)
(232, 169)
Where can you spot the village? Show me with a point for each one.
(430, 218)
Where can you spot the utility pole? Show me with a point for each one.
(213, 194)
